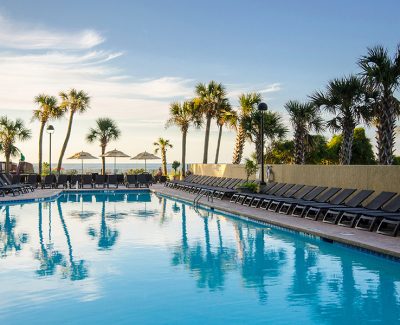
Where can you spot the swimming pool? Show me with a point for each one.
(139, 258)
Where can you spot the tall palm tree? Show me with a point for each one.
(345, 98)
(10, 133)
(274, 129)
(225, 117)
(382, 73)
(75, 102)
(305, 117)
(183, 115)
(209, 97)
(162, 145)
(48, 109)
(105, 131)
(248, 103)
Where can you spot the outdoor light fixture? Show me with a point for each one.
(50, 131)
(262, 107)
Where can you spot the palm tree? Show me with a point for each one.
(225, 116)
(105, 131)
(162, 145)
(48, 109)
(382, 73)
(274, 129)
(76, 102)
(248, 103)
(304, 117)
(183, 115)
(345, 98)
(11, 132)
(210, 98)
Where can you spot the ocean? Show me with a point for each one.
(96, 167)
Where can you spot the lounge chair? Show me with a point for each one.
(48, 181)
(32, 179)
(249, 198)
(341, 200)
(229, 190)
(266, 199)
(76, 181)
(87, 180)
(288, 204)
(61, 180)
(390, 211)
(350, 215)
(276, 202)
(112, 180)
(142, 180)
(99, 180)
(131, 180)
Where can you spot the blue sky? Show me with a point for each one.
(135, 57)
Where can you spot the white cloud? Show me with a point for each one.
(263, 89)
(21, 36)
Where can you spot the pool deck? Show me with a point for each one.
(365, 240)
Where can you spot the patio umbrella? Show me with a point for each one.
(82, 156)
(145, 156)
(115, 154)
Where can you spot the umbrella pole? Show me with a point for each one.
(145, 165)
(82, 165)
(115, 165)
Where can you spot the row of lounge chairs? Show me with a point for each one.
(362, 209)
(96, 181)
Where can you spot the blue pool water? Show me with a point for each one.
(141, 259)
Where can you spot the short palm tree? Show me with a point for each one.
(162, 145)
(382, 74)
(345, 98)
(183, 115)
(304, 117)
(11, 132)
(274, 129)
(248, 104)
(73, 101)
(106, 130)
(225, 117)
(48, 109)
(210, 97)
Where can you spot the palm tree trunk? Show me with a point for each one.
(386, 133)
(206, 140)
(218, 144)
(40, 146)
(239, 145)
(103, 160)
(184, 133)
(7, 154)
(259, 149)
(299, 154)
(64, 147)
(164, 160)
(345, 150)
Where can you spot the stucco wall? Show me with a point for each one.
(378, 178)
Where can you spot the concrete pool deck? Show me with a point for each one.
(365, 240)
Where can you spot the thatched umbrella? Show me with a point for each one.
(115, 154)
(82, 156)
(145, 156)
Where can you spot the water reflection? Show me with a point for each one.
(49, 258)
(74, 270)
(10, 242)
(107, 236)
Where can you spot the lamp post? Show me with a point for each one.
(50, 131)
(262, 107)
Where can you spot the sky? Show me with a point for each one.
(136, 57)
